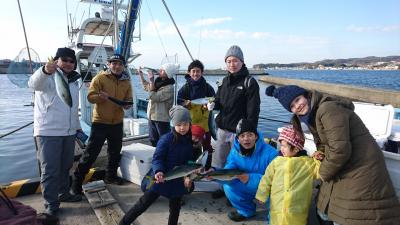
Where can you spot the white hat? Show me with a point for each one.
(170, 69)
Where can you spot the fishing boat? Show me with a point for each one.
(92, 57)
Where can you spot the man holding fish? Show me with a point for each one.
(56, 122)
(107, 120)
(197, 88)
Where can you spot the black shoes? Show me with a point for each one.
(113, 180)
(235, 216)
(217, 194)
(67, 197)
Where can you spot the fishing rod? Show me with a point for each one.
(26, 39)
(280, 121)
(11, 132)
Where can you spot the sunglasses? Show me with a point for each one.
(67, 60)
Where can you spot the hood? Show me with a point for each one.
(259, 143)
(318, 98)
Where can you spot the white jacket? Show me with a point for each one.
(52, 117)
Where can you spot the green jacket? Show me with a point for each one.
(357, 188)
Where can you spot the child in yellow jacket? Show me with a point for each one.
(288, 180)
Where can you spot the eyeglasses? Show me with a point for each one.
(67, 60)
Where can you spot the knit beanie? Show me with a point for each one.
(170, 69)
(235, 50)
(285, 94)
(292, 137)
(179, 114)
(198, 131)
(65, 52)
(245, 125)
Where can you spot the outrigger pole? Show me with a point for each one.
(26, 39)
(176, 27)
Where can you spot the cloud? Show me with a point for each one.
(163, 28)
(359, 29)
(211, 21)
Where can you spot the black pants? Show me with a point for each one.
(156, 130)
(145, 201)
(98, 134)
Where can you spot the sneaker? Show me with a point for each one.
(67, 197)
(235, 216)
(51, 212)
(113, 180)
(217, 194)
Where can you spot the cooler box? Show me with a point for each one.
(139, 126)
(135, 162)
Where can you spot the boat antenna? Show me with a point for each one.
(26, 39)
(176, 27)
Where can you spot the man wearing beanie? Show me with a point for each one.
(352, 155)
(161, 98)
(252, 155)
(107, 120)
(55, 127)
(237, 98)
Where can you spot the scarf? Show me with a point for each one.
(158, 83)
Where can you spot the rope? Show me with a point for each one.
(11, 132)
(155, 26)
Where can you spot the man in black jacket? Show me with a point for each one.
(237, 98)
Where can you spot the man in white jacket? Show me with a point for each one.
(55, 127)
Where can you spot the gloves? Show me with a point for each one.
(210, 106)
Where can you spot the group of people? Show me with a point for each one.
(355, 187)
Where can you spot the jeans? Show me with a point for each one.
(98, 134)
(56, 155)
(144, 203)
(156, 130)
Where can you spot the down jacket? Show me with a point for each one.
(52, 117)
(357, 188)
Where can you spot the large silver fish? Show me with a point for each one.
(182, 171)
(225, 174)
(202, 101)
(62, 88)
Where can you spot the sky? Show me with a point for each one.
(267, 31)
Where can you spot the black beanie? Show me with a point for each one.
(285, 94)
(66, 52)
(245, 125)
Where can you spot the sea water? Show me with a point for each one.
(18, 154)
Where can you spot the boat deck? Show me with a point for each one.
(199, 208)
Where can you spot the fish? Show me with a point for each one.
(182, 171)
(202, 101)
(62, 88)
(154, 71)
(120, 102)
(224, 174)
(212, 126)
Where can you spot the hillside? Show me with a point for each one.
(370, 62)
